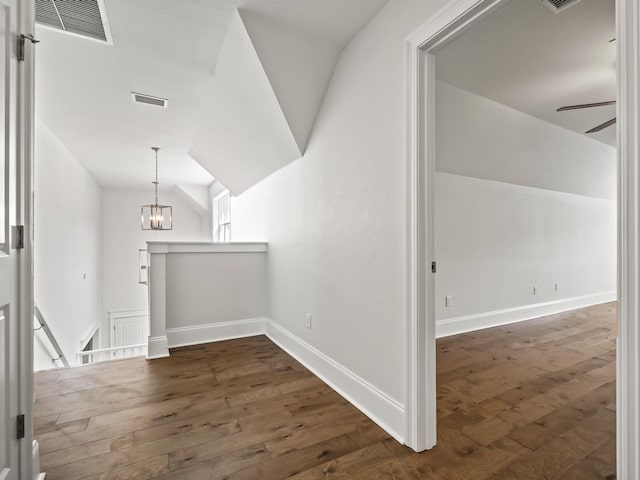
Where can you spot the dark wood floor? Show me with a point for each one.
(534, 400)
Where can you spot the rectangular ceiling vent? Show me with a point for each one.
(149, 100)
(559, 5)
(86, 18)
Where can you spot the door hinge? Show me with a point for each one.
(20, 427)
(433, 267)
(19, 237)
(22, 39)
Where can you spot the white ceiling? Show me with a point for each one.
(163, 48)
(334, 21)
(244, 136)
(526, 57)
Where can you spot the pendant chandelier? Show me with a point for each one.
(156, 217)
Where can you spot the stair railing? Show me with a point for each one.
(52, 339)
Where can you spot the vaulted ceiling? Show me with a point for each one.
(531, 59)
(244, 80)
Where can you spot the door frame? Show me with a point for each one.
(25, 148)
(420, 342)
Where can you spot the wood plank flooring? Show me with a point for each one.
(533, 400)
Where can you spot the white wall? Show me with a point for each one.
(122, 237)
(298, 66)
(67, 244)
(516, 227)
(480, 138)
(496, 241)
(243, 134)
(207, 288)
(334, 219)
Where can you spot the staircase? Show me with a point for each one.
(48, 340)
(57, 358)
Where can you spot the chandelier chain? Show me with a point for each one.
(156, 183)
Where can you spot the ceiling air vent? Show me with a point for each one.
(86, 18)
(149, 100)
(558, 5)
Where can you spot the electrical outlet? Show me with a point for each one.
(308, 320)
(535, 290)
(448, 301)
(557, 287)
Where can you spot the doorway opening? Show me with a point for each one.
(425, 297)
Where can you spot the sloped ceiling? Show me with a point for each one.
(528, 58)
(83, 89)
(271, 78)
(172, 50)
(244, 135)
(298, 67)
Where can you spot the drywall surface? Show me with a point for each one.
(334, 219)
(206, 288)
(480, 138)
(243, 134)
(298, 67)
(123, 237)
(496, 241)
(68, 229)
(539, 211)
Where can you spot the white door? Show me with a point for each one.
(15, 266)
(129, 328)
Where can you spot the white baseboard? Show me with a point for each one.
(35, 452)
(469, 323)
(158, 347)
(387, 412)
(215, 332)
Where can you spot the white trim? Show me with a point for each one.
(420, 337)
(387, 412)
(215, 332)
(420, 46)
(90, 333)
(157, 347)
(628, 351)
(222, 194)
(36, 461)
(105, 25)
(451, 20)
(215, 211)
(25, 111)
(127, 313)
(207, 247)
(112, 349)
(100, 355)
(119, 315)
(470, 323)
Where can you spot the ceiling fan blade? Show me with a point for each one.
(602, 126)
(586, 105)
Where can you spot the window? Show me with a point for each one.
(222, 218)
